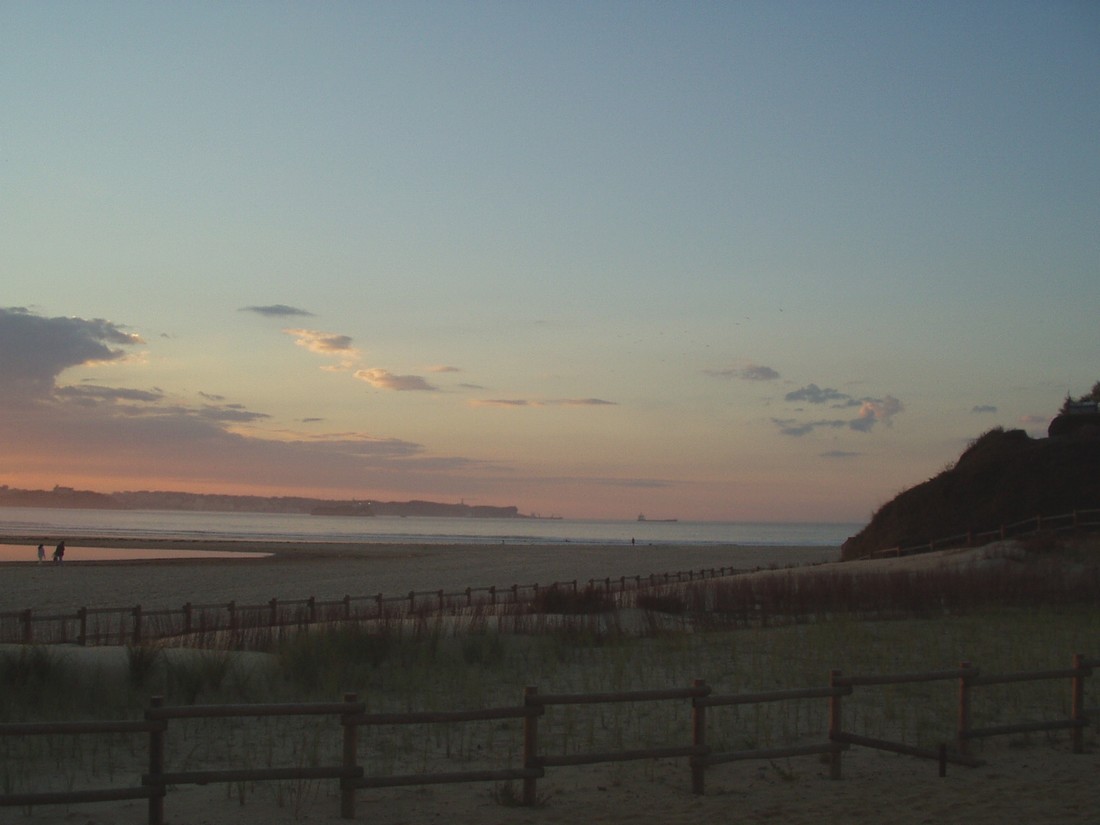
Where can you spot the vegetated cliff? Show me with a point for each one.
(1004, 477)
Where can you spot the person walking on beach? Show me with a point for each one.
(59, 551)
(41, 553)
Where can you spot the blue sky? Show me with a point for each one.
(734, 261)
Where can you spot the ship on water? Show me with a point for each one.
(641, 517)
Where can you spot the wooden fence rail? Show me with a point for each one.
(1076, 520)
(136, 624)
(352, 716)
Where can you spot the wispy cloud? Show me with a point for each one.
(502, 402)
(75, 431)
(750, 372)
(983, 408)
(443, 368)
(276, 311)
(386, 380)
(93, 393)
(550, 402)
(813, 394)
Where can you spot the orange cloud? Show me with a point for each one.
(386, 380)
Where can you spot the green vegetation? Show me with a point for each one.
(741, 634)
(1092, 395)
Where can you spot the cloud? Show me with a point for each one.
(872, 411)
(442, 368)
(322, 343)
(276, 311)
(35, 350)
(92, 393)
(551, 402)
(503, 402)
(840, 454)
(813, 394)
(97, 435)
(793, 427)
(231, 413)
(386, 380)
(752, 372)
(983, 408)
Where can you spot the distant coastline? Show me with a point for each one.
(72, 499)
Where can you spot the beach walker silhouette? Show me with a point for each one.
(59, 551)
(41, 553)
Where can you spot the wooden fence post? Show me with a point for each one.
(412, 602)
(273, 612)
(440, 594)
(347, 606)
(156, 766)
(698, 740)
(1078, 702)
(311, 610)
(28, 632)
(136, 613)
(187, 609)
(530, 747)
(351, 759)
(962, 743)
(835, 727)
(232, 608)
(82, 616)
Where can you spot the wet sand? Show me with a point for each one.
(332, 570)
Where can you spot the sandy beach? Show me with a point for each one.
(330, 570)
(1042, 782)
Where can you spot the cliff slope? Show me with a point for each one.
(1002, 478)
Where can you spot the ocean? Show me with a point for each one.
(54, 524)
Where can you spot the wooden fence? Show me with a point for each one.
(351, 715)
(137, 625)
(1077, 520)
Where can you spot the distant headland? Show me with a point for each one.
(70, 498)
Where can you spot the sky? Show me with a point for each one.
(754, 261)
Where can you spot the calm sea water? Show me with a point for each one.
(53, 524)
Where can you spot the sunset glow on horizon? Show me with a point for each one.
(746, 261)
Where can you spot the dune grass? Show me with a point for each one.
(435, 663)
